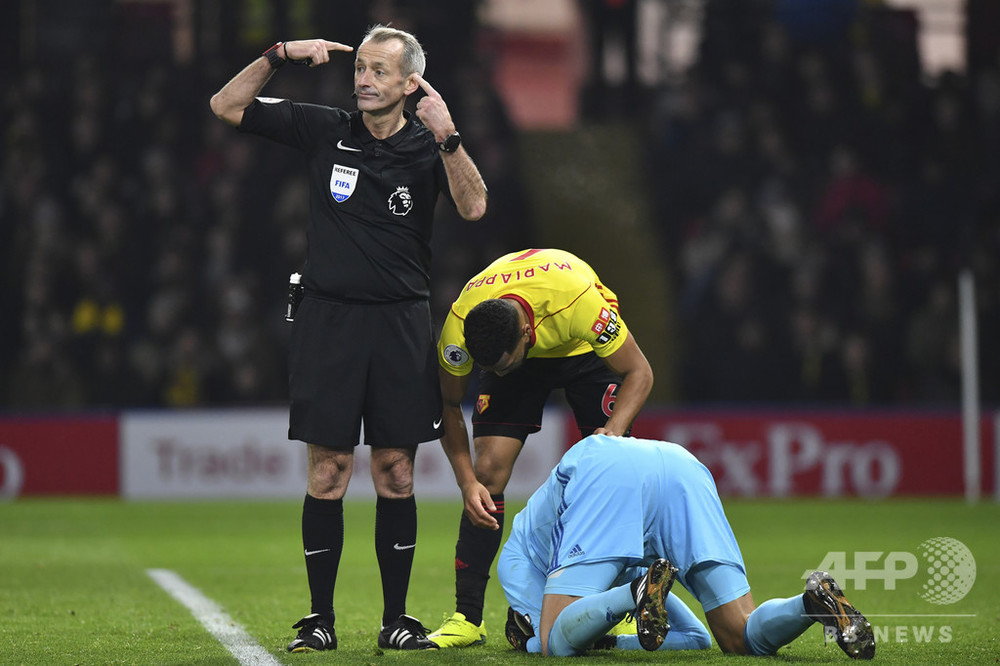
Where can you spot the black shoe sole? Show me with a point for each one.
(650, 613)
(853, 631)
(516, 630)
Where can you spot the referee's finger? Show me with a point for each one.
(336, 46)
(427, 88)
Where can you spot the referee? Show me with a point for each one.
(361, 344)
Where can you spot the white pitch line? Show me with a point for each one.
(215, 620)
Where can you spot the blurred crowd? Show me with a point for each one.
(147, 245)
(818, 197)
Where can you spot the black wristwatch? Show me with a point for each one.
(275, 60)
(451, 144)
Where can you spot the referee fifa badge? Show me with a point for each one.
(343, 180)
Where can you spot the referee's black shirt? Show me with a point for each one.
(371, 201)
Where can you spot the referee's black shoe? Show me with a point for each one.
(315, 633)
(406, 633)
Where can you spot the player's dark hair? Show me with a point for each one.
(492, 328)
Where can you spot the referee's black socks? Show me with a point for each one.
(323, 540)
(395, 541)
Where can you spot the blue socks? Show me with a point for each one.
(686, 630)
(775, 623)
(587, 619)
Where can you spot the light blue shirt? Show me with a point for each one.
(629, 499)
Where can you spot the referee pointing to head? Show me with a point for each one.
(374, 177)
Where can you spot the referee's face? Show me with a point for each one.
(378, 79)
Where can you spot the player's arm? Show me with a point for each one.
(468, 189)
(456, 446)
(228, 104)
(630, 363)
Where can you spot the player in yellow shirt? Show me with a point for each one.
(534, 321)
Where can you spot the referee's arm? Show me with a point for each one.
(468, 190)
(228, 104)
(467, 186)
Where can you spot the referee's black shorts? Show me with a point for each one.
(512, 405)
(348, 362)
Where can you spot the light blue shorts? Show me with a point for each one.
(715, 583)
(711, 583)
(626, 502)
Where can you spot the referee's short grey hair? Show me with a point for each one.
(413, 58)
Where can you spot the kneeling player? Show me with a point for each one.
(612, 504)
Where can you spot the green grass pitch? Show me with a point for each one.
(74, 588)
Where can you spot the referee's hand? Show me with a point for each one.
(316, 51)
(433, 112)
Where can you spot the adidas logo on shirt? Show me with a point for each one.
(576, 551)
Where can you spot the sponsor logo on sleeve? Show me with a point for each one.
(455, 356)
(610, 327)
(602, 321)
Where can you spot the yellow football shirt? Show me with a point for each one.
(571, 312)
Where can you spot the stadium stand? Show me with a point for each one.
(816, 197)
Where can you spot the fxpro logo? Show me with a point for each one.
(771, 464)
(948, 573)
